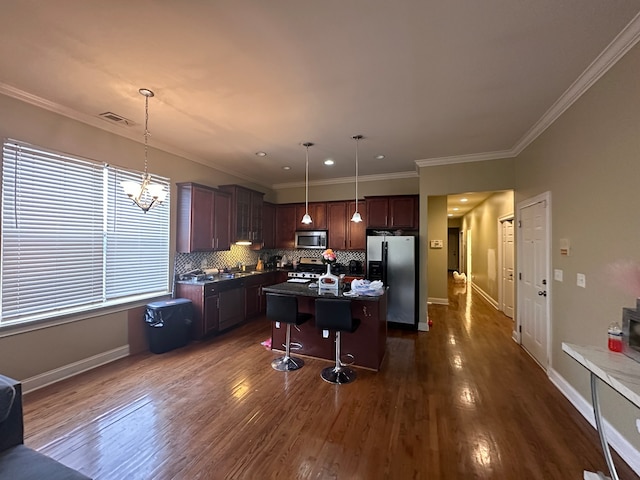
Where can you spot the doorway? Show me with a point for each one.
(453, 246)
(534, 227)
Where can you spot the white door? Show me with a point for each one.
(533, 282)
(507, 267)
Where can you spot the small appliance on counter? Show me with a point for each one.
(355, 267)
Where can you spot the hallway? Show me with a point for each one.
(509, 419)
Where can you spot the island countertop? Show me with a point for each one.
(367, 344)
(303, 289)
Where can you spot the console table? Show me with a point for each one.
(616, 370)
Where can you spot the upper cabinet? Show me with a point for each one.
(269, 225)
(203, 219)
(343, 233)
(318, 213)
(399, 211)
(246, 214)
(286, 224)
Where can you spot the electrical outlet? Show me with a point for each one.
(557, 275)
(581, 280)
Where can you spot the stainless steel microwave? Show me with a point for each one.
(311, 239)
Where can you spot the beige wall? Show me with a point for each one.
(483, 222)
(438, 257)
(29, 354)
(589, 160)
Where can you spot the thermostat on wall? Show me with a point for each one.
(435, 243)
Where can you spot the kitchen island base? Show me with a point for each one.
(367, 345)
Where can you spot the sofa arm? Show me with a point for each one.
(12, 429)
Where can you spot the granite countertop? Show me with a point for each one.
(224, 277)
(302, 289)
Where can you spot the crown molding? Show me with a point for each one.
(101, 124)
(618, 47)
(334, 181)
(472, 157)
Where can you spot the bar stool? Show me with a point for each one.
(335, 314)
(284, 308)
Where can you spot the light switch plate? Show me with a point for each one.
(325, 333)
(557, 275)
(277, 324)
(581, 280)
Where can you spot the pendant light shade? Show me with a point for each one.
(145, 194)
(356, 218)
(306, 219)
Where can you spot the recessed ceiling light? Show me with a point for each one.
(286, 167)
(450, 215)
(328, 161)
(455, 209)
(464, 200)
(379, 157)
(261, 154)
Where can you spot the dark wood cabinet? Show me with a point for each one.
(286, 224)
(203, 219)
(337, 223)
(204, 297)
(356, 232)
(318, 213)
(268, 225)
(246, 214)
(399, 211)
(343, 233)
(255, 300)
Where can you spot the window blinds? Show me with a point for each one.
(71, 239)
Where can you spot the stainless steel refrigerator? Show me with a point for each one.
(393, 259)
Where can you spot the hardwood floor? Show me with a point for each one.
(462, 401)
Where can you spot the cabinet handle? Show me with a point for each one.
(213, 242)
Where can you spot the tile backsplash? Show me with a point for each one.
(243, 254)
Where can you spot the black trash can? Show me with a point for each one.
(168, 324)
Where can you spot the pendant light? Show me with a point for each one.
(356, 218)
(306, 219)
(145, 194)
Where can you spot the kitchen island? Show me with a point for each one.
(367, 344)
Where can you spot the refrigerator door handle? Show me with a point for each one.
(385, 254)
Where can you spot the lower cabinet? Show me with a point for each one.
(219, 306)
(205, 300)
(254, 299)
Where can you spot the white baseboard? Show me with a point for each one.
(485, 295)
(620, 444)
(438, 301)
(57, 374)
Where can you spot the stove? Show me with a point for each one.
(309, 268)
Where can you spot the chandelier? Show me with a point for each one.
(144, 193)
(356, 218)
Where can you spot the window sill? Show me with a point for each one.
(71, 316)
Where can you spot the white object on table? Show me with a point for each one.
(616, 370)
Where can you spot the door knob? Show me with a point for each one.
(542, 293)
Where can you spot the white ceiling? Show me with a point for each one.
(422, 80)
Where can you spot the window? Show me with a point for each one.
(71, 239)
